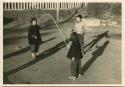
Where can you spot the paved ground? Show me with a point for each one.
(101, 65)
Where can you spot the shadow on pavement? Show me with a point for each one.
(23, 50)
(16, 29)
(16, 38)
(98, 52)
(42, 56)
(96, 40)
(7, 20)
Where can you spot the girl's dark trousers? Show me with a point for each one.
(76, 67)
(34, 48)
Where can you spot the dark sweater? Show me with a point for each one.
(32, 32)
(75, 48)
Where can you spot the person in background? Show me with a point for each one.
(34, 37)
(75, 55)
(80, 30)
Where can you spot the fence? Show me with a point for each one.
(41, 5)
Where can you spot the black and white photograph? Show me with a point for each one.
(62, 42)
(65, 86)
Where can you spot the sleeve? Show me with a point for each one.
(71, 37)
(39, 28)
(36, 32)
(29, 33)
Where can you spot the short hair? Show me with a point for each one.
(80, 16)
(33, 19)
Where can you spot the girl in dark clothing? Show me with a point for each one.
(75, 55)
(34, 37)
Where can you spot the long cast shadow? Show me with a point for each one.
(96, 40)
(42, 56)
(15, 29)
(23, 50)
(97, 53)
(7, 20)
(15, 39)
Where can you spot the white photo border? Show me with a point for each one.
(98, 1)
